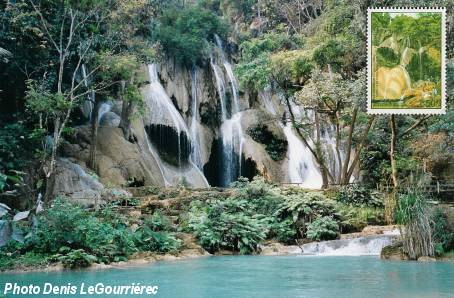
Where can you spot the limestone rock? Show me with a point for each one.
(72, 181)
(394, 252)
(110, 119)
(426, 259)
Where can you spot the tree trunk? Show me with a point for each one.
(344, 179)
(393, 152)
(50, 175)
(94, 135)
(359, 149)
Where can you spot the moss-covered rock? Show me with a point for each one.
(394, 252)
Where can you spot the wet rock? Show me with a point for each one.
(278, 249)
(110, 119)
(394, 252)
(426, 259)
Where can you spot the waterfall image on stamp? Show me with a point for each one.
(406, 60)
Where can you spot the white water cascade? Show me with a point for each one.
(87, 106)
(366, 245)
(231, 130)
(103, 109)
(301, 166)
(161, 111)
(196, 135)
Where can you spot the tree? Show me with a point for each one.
(68, 31)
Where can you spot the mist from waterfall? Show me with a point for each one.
(231, 130)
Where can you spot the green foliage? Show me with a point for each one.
(66, 224)
(275, 147)
(330, 53)
(15, 144)
(185, 33)
(306, 206)
(29, 259)
(154, 235)
(76, 258)
(323, 228)
(228, 225)
(357, 195)
(413, 213)
(354, 219)
(443, 231)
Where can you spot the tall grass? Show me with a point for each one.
(413, 214)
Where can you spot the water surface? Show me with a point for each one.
(265, 276)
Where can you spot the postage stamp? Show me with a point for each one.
(406, 60)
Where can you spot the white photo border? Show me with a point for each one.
(406, 111)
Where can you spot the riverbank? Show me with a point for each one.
(191, 249)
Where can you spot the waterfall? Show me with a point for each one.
(87, 106)
(231, 130)
(104, 108)
(163, 113)
(301, 166)
(196, 134)
(367, 245)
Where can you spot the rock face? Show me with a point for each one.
(394, 252)
(73, 181)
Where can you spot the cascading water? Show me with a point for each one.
(87, 106)
(231, 130)
(162, 113)
(103, 109)
(196, 135)
(367, 245)
(301, 166)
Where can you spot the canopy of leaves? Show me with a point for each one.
(185, 34)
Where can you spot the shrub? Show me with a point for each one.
(74, 258)
(154, 235)
(443, 232)
(354, 219)
(323, 228)
(356, 195)
(66, 224)
(412, 212)
(228, 225)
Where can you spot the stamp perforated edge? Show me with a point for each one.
(408, 111)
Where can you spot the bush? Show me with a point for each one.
(75, 258)
(68, 225)
(443, 232)
(413, 213)
(228, 225)
(323, 228)
(354, 219)
(154, 235)
(356, 195)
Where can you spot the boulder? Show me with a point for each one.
(426, 259)
(394, 252)
(110, 119)
(73, 182)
